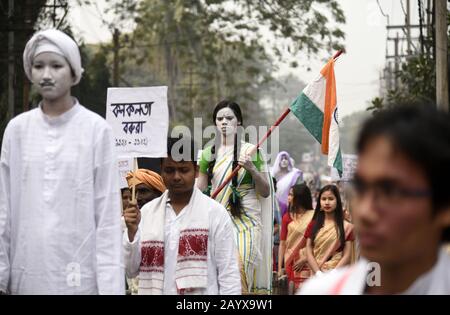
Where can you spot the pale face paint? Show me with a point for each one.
(52, 75)
(284, 163)
(226, 121)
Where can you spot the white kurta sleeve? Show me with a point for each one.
(226, 256)
(5, 211)
(132, 253)
(110, 269)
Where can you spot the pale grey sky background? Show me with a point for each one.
(357, 71)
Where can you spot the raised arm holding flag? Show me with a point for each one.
(316, 108)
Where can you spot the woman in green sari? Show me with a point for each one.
(248, 197)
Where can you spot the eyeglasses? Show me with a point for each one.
(388, 192)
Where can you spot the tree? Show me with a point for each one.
(208, 50)
(21, 24)
(92, 89)
(417, 84)
(417, 78)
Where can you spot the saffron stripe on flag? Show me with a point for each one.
(316, 109)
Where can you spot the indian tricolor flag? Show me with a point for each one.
(317, 110)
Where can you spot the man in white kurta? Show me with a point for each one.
(181, 247)
(222, 264)
(59, 202)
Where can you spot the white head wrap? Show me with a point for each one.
(52, 40)
(276, 165)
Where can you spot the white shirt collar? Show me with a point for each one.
(64, 117)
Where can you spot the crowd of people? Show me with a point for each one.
(67, 228)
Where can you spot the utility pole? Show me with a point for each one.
(408, 26)
(54, 13)
(441, 55)
(397, 62)
(28, 12)
(389, 76)
(116, 49)
(11, 61)
(57, 4)
(428, 11)
(191, 104)
(421, 25)
(429, 23)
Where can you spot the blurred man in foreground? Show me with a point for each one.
(401, 207)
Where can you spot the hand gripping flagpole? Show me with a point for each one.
(267, 135)
(236, 170)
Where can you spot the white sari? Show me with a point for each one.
(254, 227)
(286, 181)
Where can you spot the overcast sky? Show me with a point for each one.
(357, 72)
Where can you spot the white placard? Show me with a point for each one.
(125, 166)
(349, 163)
(140, 120)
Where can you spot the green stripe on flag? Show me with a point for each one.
(309, 115)
(338, 162)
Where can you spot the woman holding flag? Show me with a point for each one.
(248, 196)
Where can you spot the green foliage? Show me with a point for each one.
(209, 50)
(377, 105)
(206, 50)
(25, 14)
(92, 89)
(417, 78)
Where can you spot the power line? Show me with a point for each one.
(382, 12)
(57, 4)
(381, 9)
(421, 23)
(403, 8)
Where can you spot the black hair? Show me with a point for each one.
(234, 201)
(231, 105)
(422, 133)
(302, 198)
(319, 215)
(176, 147)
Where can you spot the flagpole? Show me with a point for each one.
(336, 55)
(267, 135)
